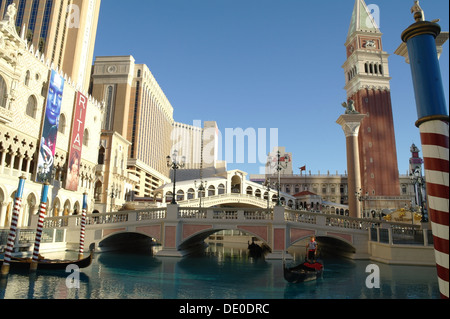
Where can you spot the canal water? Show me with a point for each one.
(220, 272)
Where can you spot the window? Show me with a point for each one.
(3, 92)
(86, 138)
(109, 120)
(27, 78)
(32, 21)
(62, 124)
(31, 107)
(45, 23)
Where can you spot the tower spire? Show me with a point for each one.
(362, 20)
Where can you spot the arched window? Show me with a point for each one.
(62, 124)
(381, 69)
(31, 107)
(211, 190)
(366, 68)
(109, 114)
(101, 155)
(86, 138)
(371, 68)
(27, 78)
(190, 193)
(221, 189)
(3, 92)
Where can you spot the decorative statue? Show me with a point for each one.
(419, 15)
(350, 107)
(11, 14)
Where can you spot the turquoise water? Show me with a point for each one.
(218, 273)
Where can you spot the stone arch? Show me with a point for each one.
(194, 235)
(236, 184)
(56, 207)
(124, 240)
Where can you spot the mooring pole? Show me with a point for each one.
(432, 122)
(13, 230)
(40, 226)
(83, 226)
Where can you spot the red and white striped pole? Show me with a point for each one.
(40, 226)
(13, 229)
(83, 226)
(432, 122)
(435, 145)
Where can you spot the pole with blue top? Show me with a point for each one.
(13, 229)
(432, 122)
(40, 226)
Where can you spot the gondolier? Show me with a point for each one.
(312, 248)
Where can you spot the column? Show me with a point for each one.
(171, 235)
(2, 166)
(432, 122)
(350, 124)
(280, 236)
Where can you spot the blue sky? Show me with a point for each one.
(261, 64)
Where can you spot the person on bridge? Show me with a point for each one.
(312, 248)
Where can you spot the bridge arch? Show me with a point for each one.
(199, 236)
(125, 240)
(329, 244)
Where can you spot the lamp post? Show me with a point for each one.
(280, 165)
(267, 184)
(201, 188)
(418, 181)
(114, 193)
(360, 198)
(174, 163)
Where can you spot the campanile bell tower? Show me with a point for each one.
(368, 85)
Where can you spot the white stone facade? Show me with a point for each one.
(24, 77)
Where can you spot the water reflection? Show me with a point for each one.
(219, 272)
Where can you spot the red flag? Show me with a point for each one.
(303, 168)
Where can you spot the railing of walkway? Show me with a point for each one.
(402, 235)
(225, 213)
(379, 230)
(252, 198)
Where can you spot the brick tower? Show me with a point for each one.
(368, 85)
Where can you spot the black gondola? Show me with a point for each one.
(48, 264)
(303, 272)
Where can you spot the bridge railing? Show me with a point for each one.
(393, 232)
(329, 220)
(225, 213)
(401, 234)
(218, 197)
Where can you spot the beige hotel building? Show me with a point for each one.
(138, 110)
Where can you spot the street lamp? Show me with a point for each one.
(418, 181)
(201, 188)
(114, 194)
(175, 163)
(280, 165)
(360, 198)
(267, 184)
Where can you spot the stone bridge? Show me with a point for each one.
(180, 229)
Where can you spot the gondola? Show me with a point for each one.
(303, 272)
(49, 264)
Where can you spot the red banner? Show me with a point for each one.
(76, 142)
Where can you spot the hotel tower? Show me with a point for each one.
(63, 30)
